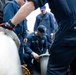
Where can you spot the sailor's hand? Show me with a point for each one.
(52, 35)
(35, 55)
(25, 40)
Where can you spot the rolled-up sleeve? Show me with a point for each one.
(39, 3)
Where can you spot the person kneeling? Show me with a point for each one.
(35, 46)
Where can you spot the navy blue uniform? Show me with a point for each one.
(34, 44)
(48, 22)
(10, 10)
(63, 51)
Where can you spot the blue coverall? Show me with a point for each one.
(46, 20)
(9, 11)
(63, 50)
(34, 44)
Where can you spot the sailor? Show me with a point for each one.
(36, 45)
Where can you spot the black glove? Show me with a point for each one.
(8, 25)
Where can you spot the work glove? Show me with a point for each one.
(7, 25)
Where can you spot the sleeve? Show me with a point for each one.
(27, 45)
(56, 26)
(52, 23)
(36, 24)
(8, 12)
(45, 46)
(39, 3)
(24, 29)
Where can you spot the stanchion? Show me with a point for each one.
(43, 63)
